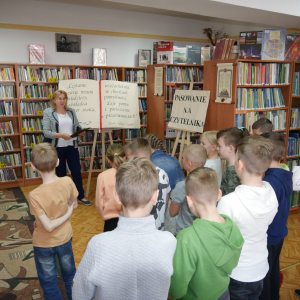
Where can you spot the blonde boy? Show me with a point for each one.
(53, 203)
(134, 261)
(194, 156)
(252, 206)
(196, 246)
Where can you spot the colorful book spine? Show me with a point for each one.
(184, 74)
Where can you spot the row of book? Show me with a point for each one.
(142, 105)
(131, 134)
(139, 76)
(9, 160)
(37, 91)
(295, 117)
(168, 110)
(293, 144)
(169, 145)
(184, 74)
(31, 140)
(223, 49)
(8, 175)
(6, 144)
(263, 73)
(32, 125)
(7, 91)
(277, 117)
(43, 75)
(6, 128)
(85, 164)
(34, 108)
(30, 173)
(86, 151)
(261, 98)
(27, 155)
(89, 136)
(7, 74)
(170, 90)
(296, 84)
(6, 108)
(142, 90)
(294, 199)
(96, 74)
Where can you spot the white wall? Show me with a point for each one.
(121, 51)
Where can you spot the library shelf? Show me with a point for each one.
(13, 116)
(12, 167)
(295, 96)
(184, 83)
(8, 99)
(260, 110)
(13, 183)
(37, 82)
(291, 129)
(142, 97)
(41, 131)
(142, 111)
(32, 116)
(262, 85)
(8, 82)
(10, 151)
(34, 99)
(290, 157)
(7, 135)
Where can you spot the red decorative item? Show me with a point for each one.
(223, 99)
(281, 278)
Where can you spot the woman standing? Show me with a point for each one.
(59, 123)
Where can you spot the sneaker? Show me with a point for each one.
(297, 293)
(85, 202)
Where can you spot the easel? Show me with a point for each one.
(91, 170)
(185, 138)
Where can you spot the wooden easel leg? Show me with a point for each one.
(91, 163)
(181, 147)
(103, 149)
(110, 136)
(176, 143)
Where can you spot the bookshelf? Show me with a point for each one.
(27, 89)
(159, 107)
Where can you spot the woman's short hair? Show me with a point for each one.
(55, 96)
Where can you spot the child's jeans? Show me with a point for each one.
(245, 290)
(47, 271)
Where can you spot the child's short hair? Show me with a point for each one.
(196, 154)
(256, 152)
(138, 147)
(202, 185)
(211, 136)
(279, 143)
(263, 124)
(232, 135)
(115, 153)
(155, 142)
(136, 181)
(44, 157)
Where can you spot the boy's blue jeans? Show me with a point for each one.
(47, 271)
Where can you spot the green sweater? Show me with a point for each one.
(206, 254)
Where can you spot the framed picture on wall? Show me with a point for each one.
(68, 43)
(144, 58)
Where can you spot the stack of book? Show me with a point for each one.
(6, 144)
(29, 173)
(31, 140)
(184, 74)
(131, 134)
(139, 76)
(32, 125)
(33, 108)
(142, 90)
(277, 117)
(8, 175)
(7, 74)
(296, 85)
(37, 91)
(10, 160)
(223, 49)
(293, 144)
(261, 98)
(43, 75)
(295, 118)
(7, 91)
(6, 109)
(170, 90)
(142, 105)
(96, 74)
(263, 73)
(6, 128)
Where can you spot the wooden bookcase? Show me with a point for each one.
(16, 119)
(156, 104)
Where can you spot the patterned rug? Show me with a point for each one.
(18, 276)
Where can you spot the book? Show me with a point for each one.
(76, 134)
(193, 55)
(273, 45)
(7, 74)
(235, 52)
(165, 52)
(179, 55)
(96, 74)
(155, 53)
(250, 44)
(205, 54)
(33, 108)
(37, 91)
(292, 47)
(219, 49)
(36, 54)
(99, 57)
(184, 74)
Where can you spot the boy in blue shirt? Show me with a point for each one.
(282, 183)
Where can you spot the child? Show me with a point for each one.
(194, 156)
(209, 140)
(261, 126)
(201, 271)
(282, 183)
(106, 204)
(53, 238)
(134, 261)
(252, 206)
(139, 147)
(227, 141)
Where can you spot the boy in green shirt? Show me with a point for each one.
(209, 250)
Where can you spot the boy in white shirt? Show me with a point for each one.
(252, 206)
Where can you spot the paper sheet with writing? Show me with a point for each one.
(224, 83)
(158, 81)
(83, 97)
(119, 104)
(296, 178)
(189, 110)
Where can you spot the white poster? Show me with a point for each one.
(119, 105)
(296, 178)
(158, 81)
(189, 110)
(83, 97)
(224, 83)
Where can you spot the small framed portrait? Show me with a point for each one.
(144, 58)
(68, 43)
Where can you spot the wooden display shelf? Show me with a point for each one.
(8, 99)
(8, 81)
(32, 131)
(7, 135)
(11, 184)
(34, 99)
(251, 86)
(32, 116)
(142, 111)
(295, 96)
(88, 158)
(291, 157)
(13, 116)
(259, 110)
(12, 167)
(33, 181)
(10, 151)
(38, 82)
(183, 83)
(292, 129)
(144, 97)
